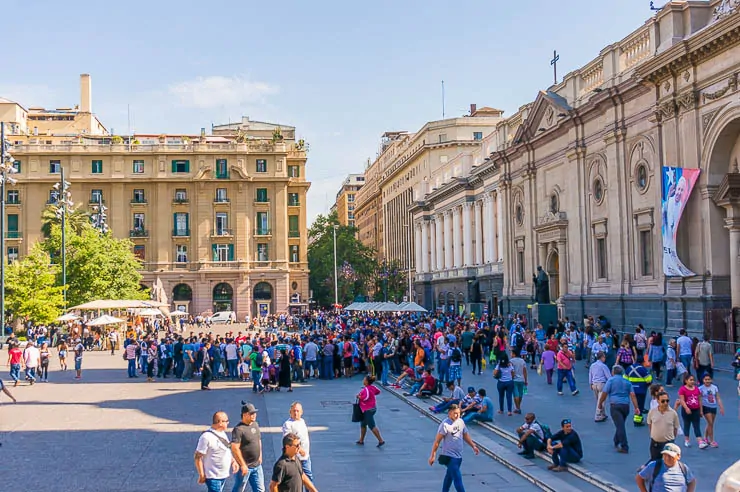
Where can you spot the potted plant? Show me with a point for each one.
(116, 140)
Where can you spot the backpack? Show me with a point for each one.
(546, 431)
(456, 355)
(259, 360)
(659, 465)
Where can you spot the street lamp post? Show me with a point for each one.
(336, 280)
(63, 205)
(99, 217)
(6, 167)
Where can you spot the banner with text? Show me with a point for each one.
(677, 185)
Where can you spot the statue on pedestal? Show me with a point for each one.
(542, 286)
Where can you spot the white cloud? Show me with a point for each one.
(31, 95)
(219, 91)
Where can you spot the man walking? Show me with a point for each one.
(520, 380)
(31, 357)
(663, 424)
(684, 349)
(213, 459)
(296, 425)
(113, 340)
(620, 392)
(287, 474)
(451, 434)
(246, 446)
(130, 349)
(206, 373)
(598, 375)
(667, 474)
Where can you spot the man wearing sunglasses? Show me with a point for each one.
(663, 424)
(287, 474)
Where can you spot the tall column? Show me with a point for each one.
(563, 262)
(424, 260)
(489, 228)
(542, 256)
(456, 239)
(478, 209)
(733, 225)
(500, 224)
(467, 224)
(447, 220)
(439, 248)
(418, 249)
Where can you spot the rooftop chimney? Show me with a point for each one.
(473, 108)
(85, 93)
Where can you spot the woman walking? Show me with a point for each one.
(284, 374)
(476, 354)
(63, 355)
(151, 361)
(504, 372)
(691, 411)
(625, 355)
(366, 398)
(45, 358)
(710, 402)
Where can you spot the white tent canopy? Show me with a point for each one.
(105, 320)
(411, 307)
(385, 307)
(68, 317)
(150, 312)
(104, 304)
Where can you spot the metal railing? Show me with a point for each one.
(222, 232)
(222, 199)
(138, 233)
(13, 234)
(262, 232)
(180, 201)
(181, 232)
(141, 201)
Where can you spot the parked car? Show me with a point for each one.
(223, 317)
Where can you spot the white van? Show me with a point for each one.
(223, 317)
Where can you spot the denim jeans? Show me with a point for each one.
(384, 374)
(475, 416)
(215, 484)
(567, 374)
(327, 368)
(445, 405)
(15, 372)
(256, 383)
(453, 475)
(31, 373)
(416, 387)
(311, 367)
(255, 477)
(143, 363)
(444, 368)
(505, 389)
(686, 361)
(307, 468)
(562, 456)
(179, 367)
(132, 368)
(231, 364)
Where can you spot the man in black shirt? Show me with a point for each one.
(246, 447)
(287, 474)
(565, 447)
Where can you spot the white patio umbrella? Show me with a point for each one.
(150, 312)
(105, 320)
(68, 317)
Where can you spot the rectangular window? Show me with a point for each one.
(13, 197)
(351, 198)
(261, 165)
(182, 226)
(12, 226)
(262, 224)
(181, 255)
(55, 167)
(294, 171)
(140, 252)
(181, 195)
(223, 252)
(646, 253)
(222, 169)
(222, 224)
(262, 195)
(263, 254)
(294, 257)
(519, 266)
(180, 166)
(12, 254)
(442, 137)
(293, 228)
(138, 167)
(139, 196)
(221, 196)
(293, 200)
(96, 196)
(601, 268)
(138, 222)
(97, 167)
(17, 166)
(477, 135)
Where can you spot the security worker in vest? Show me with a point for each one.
(641, 378)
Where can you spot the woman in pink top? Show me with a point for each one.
(366, 398)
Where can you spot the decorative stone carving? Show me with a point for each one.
(731, 86)
(549, 116)
(687, 75)
(706, 120)
(667, 86)
(686, 101)
(724, 9)
(667, 109)
(551, 217)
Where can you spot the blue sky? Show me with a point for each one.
(343, 73)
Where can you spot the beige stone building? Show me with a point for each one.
(220, 219)
(346, 199)
(579, 173)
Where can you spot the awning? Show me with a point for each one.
(105, 320)
(116, 304)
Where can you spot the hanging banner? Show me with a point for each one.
(677, 185)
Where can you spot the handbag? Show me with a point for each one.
(357, 413)
(443, 460)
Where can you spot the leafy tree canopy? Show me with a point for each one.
(31, 288)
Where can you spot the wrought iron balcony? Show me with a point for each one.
(138, 233)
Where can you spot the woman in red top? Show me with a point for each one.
(366, 397)
(689, 397)
(565, 360)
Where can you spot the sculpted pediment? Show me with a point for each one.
(548, 110)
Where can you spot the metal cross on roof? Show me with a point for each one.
(554, 63)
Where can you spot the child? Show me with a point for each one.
(273, 375)
(670, 363)
(265, 377)
(710, 401)
(243, 371)
(548, 362)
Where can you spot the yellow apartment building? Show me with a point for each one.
(346, 199)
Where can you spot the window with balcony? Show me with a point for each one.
(181, 195)
(180, 166)
(294, 257)
(12, 254)
(261, 165)
(263, 253)
(182, 224)
(293, 200)
(223, 252)
(17, 166)
(294, 171)
(222, 169)
(13, 197)
(263, 227)
(139, 196)
(55, 167)
(221, 196)
(97, 167)
(262, 195)
(181, 253)
(222, 224)
(293, 227)
(96, 196)
(138, 167)
(477, 135)
(140, 252)
(12, 232)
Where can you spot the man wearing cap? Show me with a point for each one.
(668, 474)
(246, 446)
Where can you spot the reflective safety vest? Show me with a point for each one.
(640, 377)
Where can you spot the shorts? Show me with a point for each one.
(707, 410)
(78, 364)
(368, 418)
(348, 362)
(518, 389)
(455, 372)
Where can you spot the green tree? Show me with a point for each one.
(31, 288)
(391, 282)
(355, 262)
(77, 220)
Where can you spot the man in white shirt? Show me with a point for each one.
(531, 436)
(599, 346)
(296, 425)
(31, 357)
(113, 341)
(598, 375)
(232, 359)
(213, 459)
(684, 349)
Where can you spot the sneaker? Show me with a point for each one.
(560, 393)
(703, 444)
(687, 443)
(714, 444)
(575, 392)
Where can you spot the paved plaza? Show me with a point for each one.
(109, 433)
